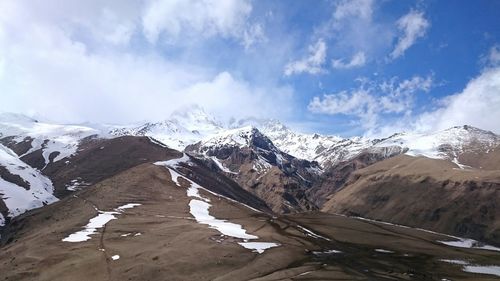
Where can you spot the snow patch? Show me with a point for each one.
(199, 210)
(157, 142)
(221, 166)
(77, 184)
(384, 251)
(326, 252)
(128, 206)
(175, 176)
(461, 166)
(483, 269)
(469, 243)
(258, 247)
(97, 222)
(174, 163)
(460, 262)
(91, 228)
(310, 233)
(475, 268)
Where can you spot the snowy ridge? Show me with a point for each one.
(443, 144)
(303, 146)
(240, 137)
(184, 127)
(63, 139)
(193, 125)
(19, 199)
(249, 146)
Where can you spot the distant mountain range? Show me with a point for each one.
(191, 166)
(301, 157)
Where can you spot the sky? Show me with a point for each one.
(357, 67)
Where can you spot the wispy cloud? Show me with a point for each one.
(312, 64)
(354, 34)
(412, 26)
(373, 99)
(353, 8)
(493, 56)
(477, 105)
(173, 20)
(357, 60)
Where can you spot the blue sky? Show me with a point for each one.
(336, 67)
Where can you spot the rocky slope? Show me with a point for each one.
(300, 145)
(252, 160)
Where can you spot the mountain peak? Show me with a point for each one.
(195, 117)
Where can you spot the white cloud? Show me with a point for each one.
(412, 26)
(477, 105)
(357, 60)
(313, 64)
(355, 33)
(55, 62)
(173, 19)
(358, 103)
(252, 35)
(372, 100)
(493, 58)
(353, 8)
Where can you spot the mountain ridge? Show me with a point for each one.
(45, 145)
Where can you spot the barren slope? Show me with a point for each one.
(427, 193)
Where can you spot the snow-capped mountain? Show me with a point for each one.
(184, 127)
(251, 159)
(194, 124)
(251, 147)
(300, 145)
(56, 141)
(223, 144)
(445, 144)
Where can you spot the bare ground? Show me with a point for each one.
(173, 246)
